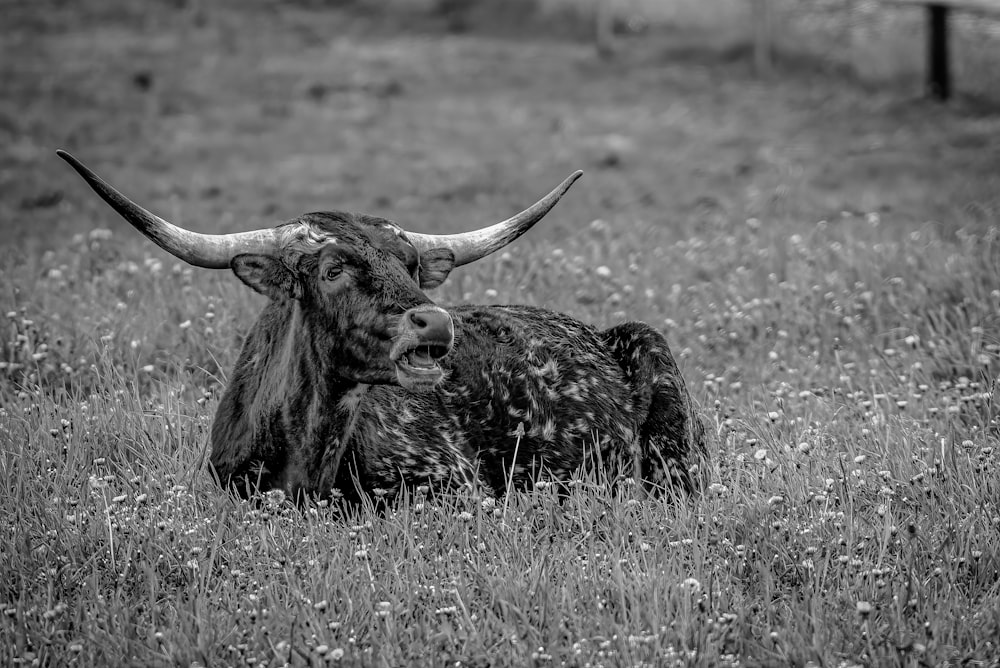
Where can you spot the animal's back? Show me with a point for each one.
(512, 366)
(576, 395)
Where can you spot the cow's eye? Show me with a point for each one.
(333, 272)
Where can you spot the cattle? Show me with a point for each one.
(352, 381)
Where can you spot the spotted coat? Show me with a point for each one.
(352, 379)
(580, 397)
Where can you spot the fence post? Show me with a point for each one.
(938, 74)
(762, 37)
(604, 28)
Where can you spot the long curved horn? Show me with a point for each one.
(471, 246)
(212, 251)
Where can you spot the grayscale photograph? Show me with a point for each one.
(488, 333)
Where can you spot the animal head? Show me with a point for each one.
(358, 280)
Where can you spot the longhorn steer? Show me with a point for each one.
(353, 380)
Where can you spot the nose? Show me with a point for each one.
(431, 324)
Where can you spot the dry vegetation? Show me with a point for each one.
(824, 261)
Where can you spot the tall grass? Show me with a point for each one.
(853, 512)
(846, 367)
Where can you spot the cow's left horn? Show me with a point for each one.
(471, 246)
(212, 251)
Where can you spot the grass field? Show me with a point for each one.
(824, 260)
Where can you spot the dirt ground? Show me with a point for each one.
(231, 116)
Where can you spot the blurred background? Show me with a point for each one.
(444, 114)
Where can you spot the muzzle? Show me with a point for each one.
(425, 334)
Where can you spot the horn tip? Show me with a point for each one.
(569, 181)
(67, 156)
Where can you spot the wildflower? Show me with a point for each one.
(320, 605)
(863, 608)
(383, 608)
(804, 447)
(465, 516)
(775, 500)
(773, 416)
(361, 554)
(335, 654)
(692, 585)
(603, 271)
(490, 293)
(760, 454)
(541, 655)
(275, 497)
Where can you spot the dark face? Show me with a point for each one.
(362, 303)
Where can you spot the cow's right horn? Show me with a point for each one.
(212, 251)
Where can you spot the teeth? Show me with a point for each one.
(421, 357)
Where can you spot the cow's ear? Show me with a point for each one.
(268, 276)
(435, 265)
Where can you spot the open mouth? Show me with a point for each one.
(418, 368)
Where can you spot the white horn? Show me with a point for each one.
(212, 251)
(471, 246)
